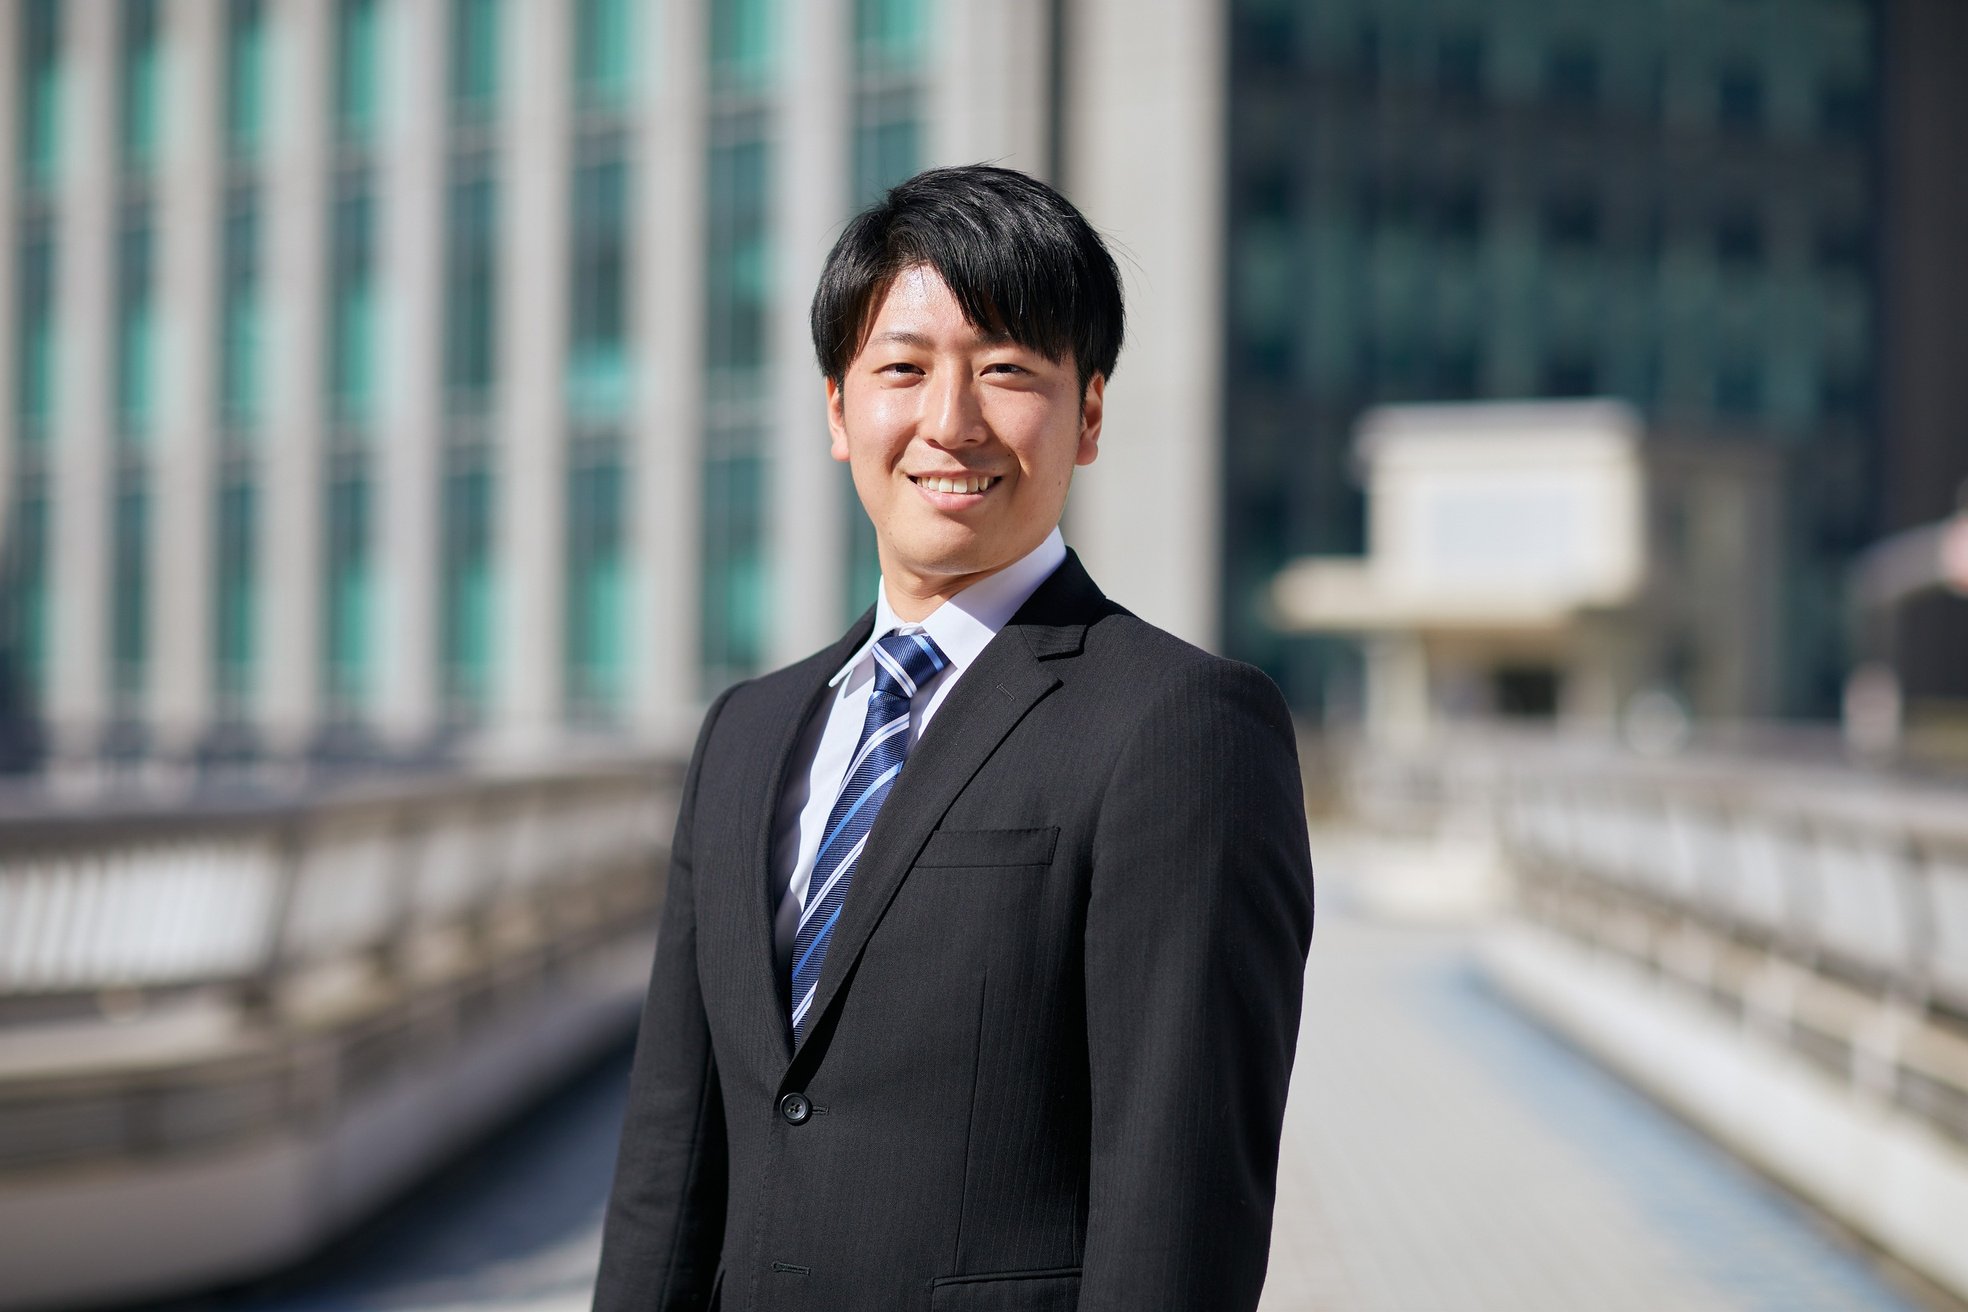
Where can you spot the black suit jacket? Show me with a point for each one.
(1049, 1051)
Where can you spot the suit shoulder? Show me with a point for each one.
(1152, 660)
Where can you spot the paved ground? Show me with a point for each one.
(1441, 1155)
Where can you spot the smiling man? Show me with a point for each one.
(979, 975)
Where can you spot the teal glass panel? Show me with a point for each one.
(142, 57)
(239, 309)
(130, 586)
(742, 42)
(468, 586)
(738, 276)
(596, 586)
(346, 598)
(885, 153)
(604, 50)
(471, 301)
(598, 347)
(235, 613)
(735, 585)
(475, 57)
(245, 94)
(35, 384)
(135, 329)
(357, 36)
(24, 600)
(352, 344)
(40, 91)
(890, 34)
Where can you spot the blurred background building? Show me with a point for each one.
(428, 379)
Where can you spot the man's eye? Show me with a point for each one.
(1004, 366)
(900, 367)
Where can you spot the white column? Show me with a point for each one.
(665, 538)
(1145, 163)
(989, 84)
(82, 451)
(300, 43)
(189, 185)
(811, 193)
(411, 182)
(532, 478)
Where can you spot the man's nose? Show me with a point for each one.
(951, 416)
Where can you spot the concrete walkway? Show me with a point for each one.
(1442, 1154)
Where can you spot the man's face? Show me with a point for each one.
(962, 446)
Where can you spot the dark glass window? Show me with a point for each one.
(34, 382)
(1739, 98)
(1738, 386)
(239, 311)
(1739, 240)
(352, 307)
(1460, 65)
(235, 616)
(357, 72)
(471, 302)
(346, 598)
(245, 64)
(474, 58)
(135, 335)
(1571, 221)
(1844, 247)
(1460, 212)
(596, 593)
(40, 90)
(604, 51)
(598, 347)
(1571, 76)
(1569, 374)
(140, 57)
(130, 586)
(1844, 112)
(467, 582)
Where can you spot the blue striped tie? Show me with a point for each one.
(903, 663)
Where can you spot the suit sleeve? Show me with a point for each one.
(1198, 921)
(665, 1222)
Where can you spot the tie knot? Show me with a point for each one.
(904, 662)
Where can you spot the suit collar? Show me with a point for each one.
(1013, 673)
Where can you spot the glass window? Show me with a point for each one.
(346, 598)
(24, 601)
(40, 90)
(129, 602)
(1569, 374)
(141, 55)
(604, 51)
(1844, 246)
(1739, 240)
(135, 354)
(239, 309)
(885, 152)
(474, 57)
(1461, 65)
(596, 593)
(737, 277)
(352, 344)
(35, 385)
(890, 34)
(741, 42)
(1738, 386)
(598, 356)
(1571, 221)
(1844, 111)
(1571, 75)
(467, 583)
(734, 591)
(234, 614)
(1739, 98)
(356, 37)
(471, 302)
(245, 61)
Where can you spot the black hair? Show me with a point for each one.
(1020, 260)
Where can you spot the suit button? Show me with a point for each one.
(795, 1108)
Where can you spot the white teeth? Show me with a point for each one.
(972, 484)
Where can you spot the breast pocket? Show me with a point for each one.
(985, 848)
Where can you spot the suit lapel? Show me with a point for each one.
(797, 702)
(1009, 678)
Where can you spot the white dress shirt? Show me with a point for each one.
(960, 627)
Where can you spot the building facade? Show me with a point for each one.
(1672, 203)
(430, 378)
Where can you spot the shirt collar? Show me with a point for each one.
(962, 626)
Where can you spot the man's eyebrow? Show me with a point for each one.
(901, 336)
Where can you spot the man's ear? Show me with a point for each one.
(836, 421)
(1093, 403)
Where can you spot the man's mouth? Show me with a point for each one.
(968, 483)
